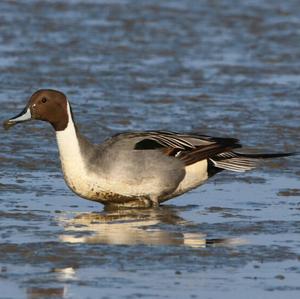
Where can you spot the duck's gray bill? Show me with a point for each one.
(23, 116)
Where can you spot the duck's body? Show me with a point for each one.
(136, 169)
(116, 173)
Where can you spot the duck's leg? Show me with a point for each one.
(154, 201)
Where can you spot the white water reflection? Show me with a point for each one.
(61, 275)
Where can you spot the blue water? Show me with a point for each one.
(225, 69)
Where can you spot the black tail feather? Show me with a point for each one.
(266, 156)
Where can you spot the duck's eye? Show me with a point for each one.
(44, 100)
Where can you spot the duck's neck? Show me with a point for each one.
(72, 147)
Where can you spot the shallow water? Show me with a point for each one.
(226, 69)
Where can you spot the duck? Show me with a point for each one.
(139, 169)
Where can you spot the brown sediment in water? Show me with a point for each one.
(8, 124)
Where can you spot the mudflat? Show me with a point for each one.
(224, 69)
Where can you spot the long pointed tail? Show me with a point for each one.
(241, 162)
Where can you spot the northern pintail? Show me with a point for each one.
(134, 169)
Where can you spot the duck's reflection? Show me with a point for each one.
(132, 227)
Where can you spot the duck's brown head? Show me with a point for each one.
(47, 105)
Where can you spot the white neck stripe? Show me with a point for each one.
(69, 150)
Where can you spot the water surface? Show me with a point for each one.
(225, 69)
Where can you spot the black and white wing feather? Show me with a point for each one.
(191, 148)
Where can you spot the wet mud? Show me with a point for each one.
(220, 68)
